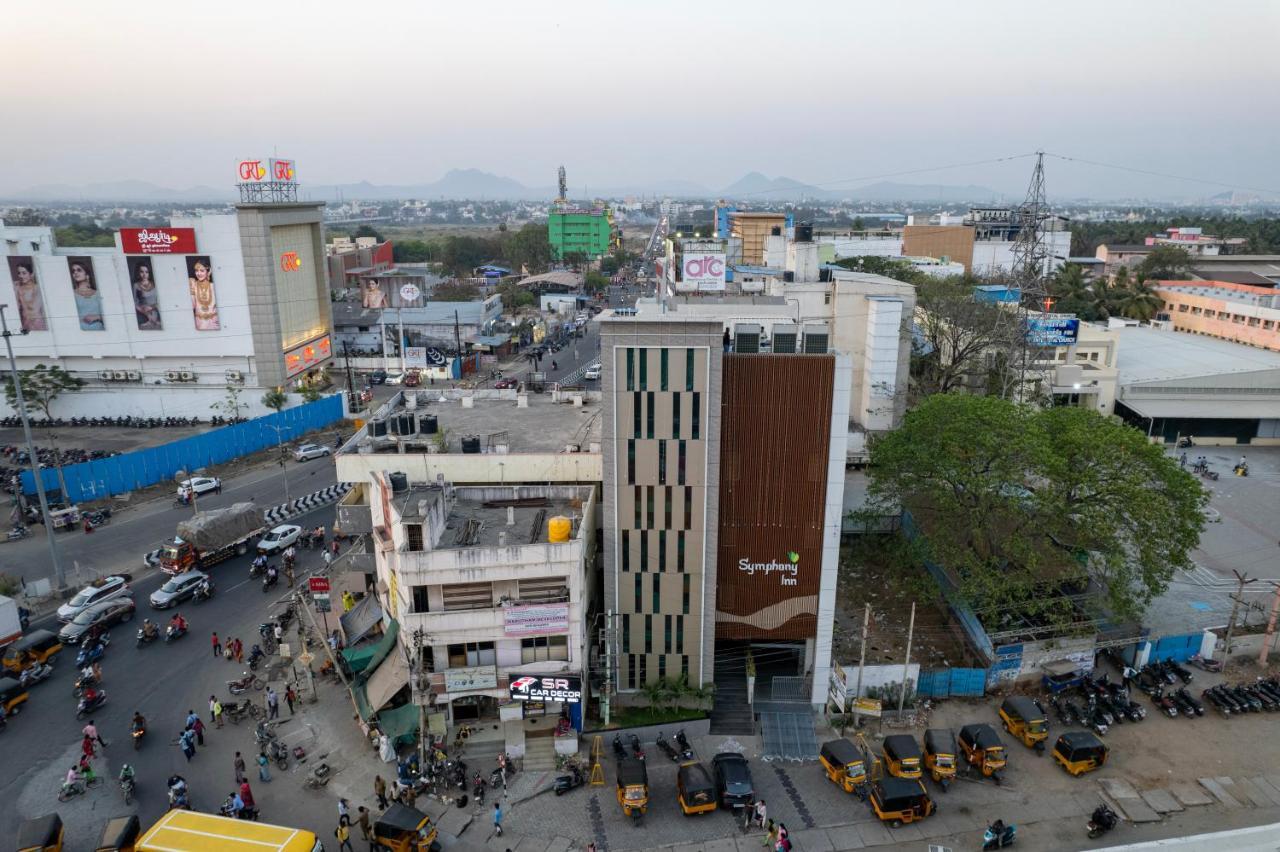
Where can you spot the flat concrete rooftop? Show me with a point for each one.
(480, 517)
(545, 426)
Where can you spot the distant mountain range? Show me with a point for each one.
(473, 184)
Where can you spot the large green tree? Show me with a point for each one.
(1037, 513)
(1165, 262)
(957, 331)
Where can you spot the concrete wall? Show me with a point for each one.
(474, 469)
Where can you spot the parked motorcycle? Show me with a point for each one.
(1165, 704)
(665, 747)
(1207, 665)
(1217, 701)
(686, 751)
(246, 681)
(1101, 821)
(237, 711)
(999, 836)
(574, 778)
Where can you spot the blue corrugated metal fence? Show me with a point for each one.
(129, 471)
(1179, 648)
(952, 683)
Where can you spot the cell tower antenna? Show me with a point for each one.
(564, 188)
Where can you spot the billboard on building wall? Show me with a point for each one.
(309, 354)
(535, 619)
(26, 291)
(158, 240)
(565, 688)
(702, 271)
(772, 526)
(372, 295)
(146, 298)
(85, 289)
(204, 298)
(1053, 331)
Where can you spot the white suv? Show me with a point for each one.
(592, 373)
(94, 594)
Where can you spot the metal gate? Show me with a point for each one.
(786, 721)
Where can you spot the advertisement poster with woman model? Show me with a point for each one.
(204, 302)
(22, 269)
(146, 300)
(374, 295)
(88, 300)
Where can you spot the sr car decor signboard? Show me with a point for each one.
(565, 688)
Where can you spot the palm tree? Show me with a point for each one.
(1138, 302)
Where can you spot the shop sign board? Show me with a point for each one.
(469, 678)
(158, 240)
(535, 619)
(564, 688)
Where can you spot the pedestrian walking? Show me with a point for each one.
(380, 790)
(334, 548)
(366, 830)
(771, 835)
(198, 728)
(87, 747)
(91, 730)
(497, 819)
(761, 813)
(192, 718)
(273, 703)
(217, 646)
(187, 741)
(263, 773)
(328, 558)
(246, 795)
(290, 696)
(239, 764)
(239, 651)
(344, 810)
(229, 651)
(343, 833)
(216, 709)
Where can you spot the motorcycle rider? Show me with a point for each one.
(73, 778)
(90, 696)
(139, 722)
(126, 774)
(149, 630)
(205, 589)
(272, 575)
(260, 563)
(178, 623)
(178, 791)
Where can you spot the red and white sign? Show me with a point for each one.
(158, 240)
(307, 355)
(283, 171)
(252, 171)
(318, 584)
(290, 262)
(535, 620)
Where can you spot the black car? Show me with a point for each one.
(733, 780)
(105, 614)
(378, 377)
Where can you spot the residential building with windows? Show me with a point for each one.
(1236, 312)
(984, 241)
(487, 583)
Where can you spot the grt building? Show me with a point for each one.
(722, 500)
(167, 318)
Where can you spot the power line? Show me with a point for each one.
(1150, 173)
(885, 175)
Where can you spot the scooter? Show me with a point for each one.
(636, 750)
(128, 787)
(1101, 821)
(665, 747)
(271, 578)
(18, 532)
(144, 639)
(686, 752)
(256, 656)
(565, 783)
(1207, 665)
(178, 793)
(1164, 703)
(172, 633)
(33, 675)
(203, 592)
(999, 836)
(88, 708)
(92, 654)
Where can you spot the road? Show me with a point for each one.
(120, 545)
(163, 682)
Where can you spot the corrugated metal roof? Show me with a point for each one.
(1207, 409)
(1151, 355)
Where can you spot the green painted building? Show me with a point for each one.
(587, 232)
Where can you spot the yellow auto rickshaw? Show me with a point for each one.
(120, 834)
(982, 748)
(36, 647)
(12, 696)
(1023, 718)
(1080, 752)
(404, 829)
(901, 756)
(694, 790)
(940, 755)
(845, 763)
(633, 788)
(900, 800)
(42, 834)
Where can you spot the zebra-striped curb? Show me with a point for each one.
(283, 512)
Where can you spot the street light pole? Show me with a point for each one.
(59, 576)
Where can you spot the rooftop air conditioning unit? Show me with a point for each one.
(188, 376)
(746, 338)
(120, 375)
(173, 375)
(816, 340)
(235, 376)
(133, 376)
(106, 375)
(784, 339)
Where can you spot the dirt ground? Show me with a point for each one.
(866, 577)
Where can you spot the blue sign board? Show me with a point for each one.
(1053, 331)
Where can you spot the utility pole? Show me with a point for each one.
(59, 576)
(351, 382)
(862, 661)
(1243, 580)
(457, 341)
(400, 319)
(902, 696)
(1271, 627)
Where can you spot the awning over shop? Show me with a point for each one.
(400, 724)
(362, 618)
(390, 678)
(367, 657)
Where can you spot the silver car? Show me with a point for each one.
(177, 590)
(307, 452)
(95, 593)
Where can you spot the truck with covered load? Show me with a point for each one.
(209, 537)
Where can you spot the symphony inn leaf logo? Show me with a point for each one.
(794, 557)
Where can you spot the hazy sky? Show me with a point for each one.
(632, 92)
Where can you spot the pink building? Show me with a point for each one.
(1236, 312)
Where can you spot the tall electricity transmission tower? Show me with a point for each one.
(1030, 276)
